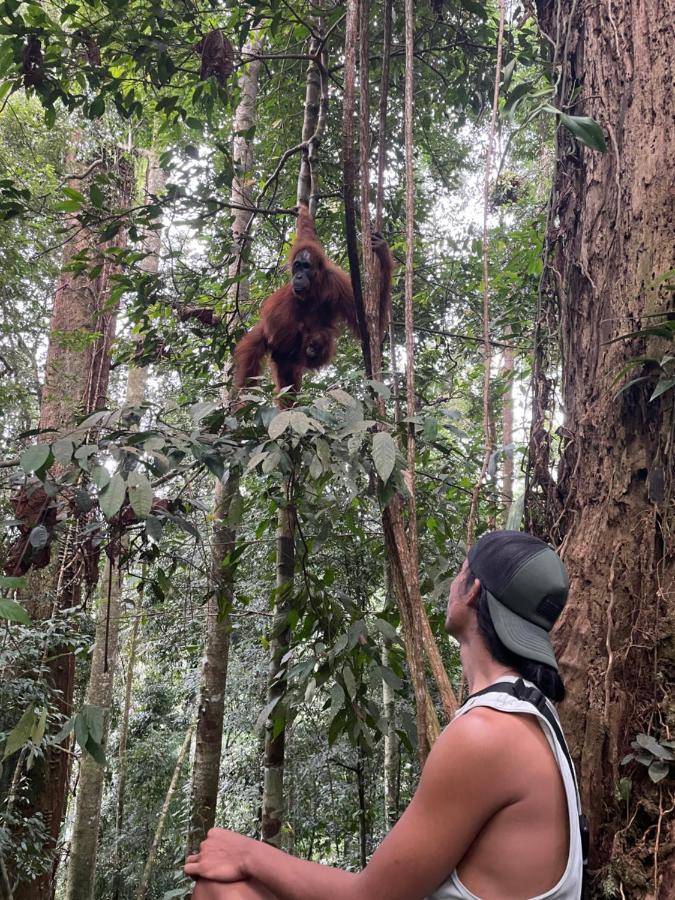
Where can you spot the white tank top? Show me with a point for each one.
(569, 886)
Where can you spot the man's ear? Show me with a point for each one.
(474, 591)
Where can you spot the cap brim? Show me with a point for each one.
(519, 635)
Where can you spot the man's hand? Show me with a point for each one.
(222, 857)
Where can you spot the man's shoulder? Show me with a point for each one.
(493, 744)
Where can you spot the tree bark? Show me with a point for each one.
(123, 763)
(83, 848)
(273, 772)
(76, 383)
(612, 240)
(213, 681)
(272, 806)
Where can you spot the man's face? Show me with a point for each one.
(458, 609)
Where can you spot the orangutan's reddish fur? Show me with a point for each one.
(300, 333)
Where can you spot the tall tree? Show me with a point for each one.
(83, 849)
(314, 117)
(82, 329)
(209, 736)
(612, 231)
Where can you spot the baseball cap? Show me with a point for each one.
(527, 588)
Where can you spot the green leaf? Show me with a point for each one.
(140, 494)
(33, 458)
(94, 749)
(13, 611)
(386, 630)
(100, 476)
(662, 385)
(21, 732)
(81, 730)
(96, 196)
(96, 108)
(112, 498)
(384, 454)
(63, 451)
(93, 716)
(68, 206)
(658, 770)
(507, 74)
(350, 681)
(585, 130)
(12, 582)
(72, 194)
(279, 424)
(39, 728)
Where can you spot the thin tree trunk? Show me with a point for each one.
(487, 342)
(83, 848)
(152, 853)
(363, 813)
(507, 435)
(273, 764)
(213, 681)
(614, 218)
(416, 631)
(123, 764)
(273, 772)
(76, 383)
(391, 744)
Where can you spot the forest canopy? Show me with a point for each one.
(224, 605)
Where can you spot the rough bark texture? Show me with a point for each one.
(612, 233)
(76, 383)
(83, 848)
(209, 738)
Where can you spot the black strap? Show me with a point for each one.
(531, 694)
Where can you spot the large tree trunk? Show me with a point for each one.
(76, 383)
(209, 738)
(82, 864)
(613, 242)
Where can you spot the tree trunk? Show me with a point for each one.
(82, 863)
(273, 764)
(76, 383)
(507, 435)
(123, 763)
(209, 738)
(273, 773)
(613, 241)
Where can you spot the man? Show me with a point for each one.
(496, 813)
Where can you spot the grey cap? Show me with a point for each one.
(527, 588)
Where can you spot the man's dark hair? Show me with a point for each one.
(544, 677)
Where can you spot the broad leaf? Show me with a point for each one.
(585, 130)
(384, 454)
(33, 458)
(20, 733)
(140, 494)
(112, 498)
(13, 611)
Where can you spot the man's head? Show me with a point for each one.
(515, 584)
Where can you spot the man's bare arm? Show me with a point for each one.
(462, 786)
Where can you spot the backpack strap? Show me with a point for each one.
(532, 695)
